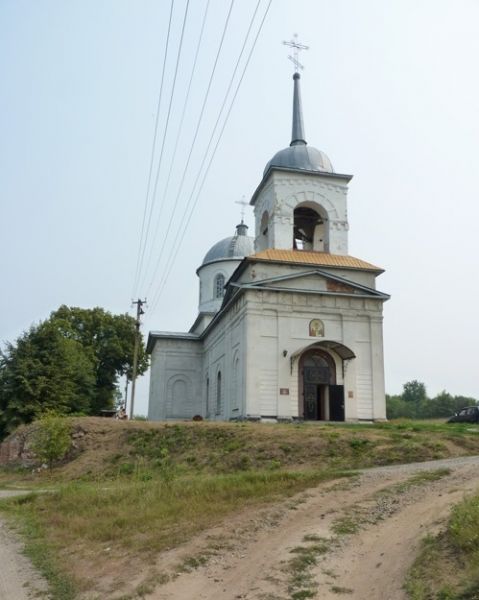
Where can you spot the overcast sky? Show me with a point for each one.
(390, 93)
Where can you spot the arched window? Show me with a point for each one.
(310, 231)
(236, 381)
(207, 396)
(218, 393)
(263, 231)
(219, 290)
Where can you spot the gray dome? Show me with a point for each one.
(235, 247)
(301, 157)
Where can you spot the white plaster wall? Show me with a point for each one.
(175, 361)
(278, 324)
(266, 331)
(207, 274)
(285, 191)
(223, 347)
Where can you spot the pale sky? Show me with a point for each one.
(390, 93)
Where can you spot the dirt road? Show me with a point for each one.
(363, 535)
(18, 580)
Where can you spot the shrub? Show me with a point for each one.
(464, 524)
(51, 440)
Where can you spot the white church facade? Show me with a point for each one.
(289, 324)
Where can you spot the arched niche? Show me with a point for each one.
(179, 398)
(219, 393)
(263, 237)
(310, 227)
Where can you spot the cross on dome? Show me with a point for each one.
(243, 204)
(297, 47)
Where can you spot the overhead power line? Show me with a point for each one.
(177, 139)
(178, 240)
(198, 124)
(205, 154)
(152, 156)
(165, 132)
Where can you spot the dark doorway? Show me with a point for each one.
(323, 400)
(336, 403)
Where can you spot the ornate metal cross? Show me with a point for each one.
(297, 47)
(243, 204)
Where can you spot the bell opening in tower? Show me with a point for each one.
(309, 230)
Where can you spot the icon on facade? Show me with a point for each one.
(316, 328)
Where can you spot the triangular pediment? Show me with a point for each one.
(314, 281)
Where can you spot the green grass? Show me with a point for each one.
(301, 583)
(418, 479)
(142, 487)
(43, 554)
(142, 517)
(361, 516)
(447, 567)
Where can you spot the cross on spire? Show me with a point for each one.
(243, 204)
(297, 47)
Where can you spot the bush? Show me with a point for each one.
(52, 439)
(464, 524)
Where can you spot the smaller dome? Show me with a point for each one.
(235, 247)
(301, 157)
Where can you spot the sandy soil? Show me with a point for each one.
(371, 564)
(18, 580)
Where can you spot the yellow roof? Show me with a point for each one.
(305, 257)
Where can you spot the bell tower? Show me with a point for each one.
(301, 202)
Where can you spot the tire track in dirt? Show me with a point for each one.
(18, 579)
(370, 564)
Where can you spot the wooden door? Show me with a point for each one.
(336, 403)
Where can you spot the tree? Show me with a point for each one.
(110, 339)
(396, 408)
(51, 440)
(414, 393)
(43, 371)
(68, 363)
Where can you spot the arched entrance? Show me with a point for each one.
(320, 398)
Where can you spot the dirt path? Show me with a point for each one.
(253, 556)
(18, 580)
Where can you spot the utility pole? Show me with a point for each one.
(139, 311)
(126, 390)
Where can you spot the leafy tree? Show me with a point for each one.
(51, 440)
(413, 403)
(396, 408)
(110, 340)
(414, 391)
(68, 363)
(462, 401)
(43, 371)
(443, 405)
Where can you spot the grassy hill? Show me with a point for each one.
(129, 490)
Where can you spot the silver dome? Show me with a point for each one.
(301, 157)
(235, 247)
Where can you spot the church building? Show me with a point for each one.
(289, 325)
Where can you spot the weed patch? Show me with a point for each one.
(143, 517)
(44, 556)
(447, 567)
(301, 583)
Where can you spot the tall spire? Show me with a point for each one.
(297, 135)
